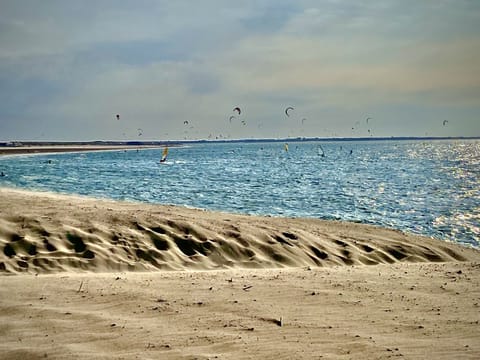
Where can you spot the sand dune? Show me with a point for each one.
(92, 279)
(42, 232)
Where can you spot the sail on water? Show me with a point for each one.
(164, 155)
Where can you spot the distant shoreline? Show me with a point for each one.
(42, 147)
(38, 146)
(46, 149)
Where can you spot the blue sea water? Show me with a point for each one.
(425, 187)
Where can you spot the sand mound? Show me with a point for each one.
(42, 232)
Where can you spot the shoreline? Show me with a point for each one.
(149, 204)
(46, 231)
(32, 147)
(47, 149)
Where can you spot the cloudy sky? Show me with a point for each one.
(68, 67)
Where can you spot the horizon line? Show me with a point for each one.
(17, 143)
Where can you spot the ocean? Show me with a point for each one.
(429, 187)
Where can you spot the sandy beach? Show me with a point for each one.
(44, 149)
(89, 278)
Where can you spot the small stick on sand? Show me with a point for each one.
(80, 288)
(278, 322)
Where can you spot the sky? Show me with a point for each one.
(176, 69)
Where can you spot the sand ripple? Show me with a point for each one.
(42, 232)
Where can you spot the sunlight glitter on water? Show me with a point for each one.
(431, 188)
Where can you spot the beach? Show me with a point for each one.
(220, 180)
(92, 278)
(46, 149)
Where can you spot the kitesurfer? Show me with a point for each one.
(288, 109)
